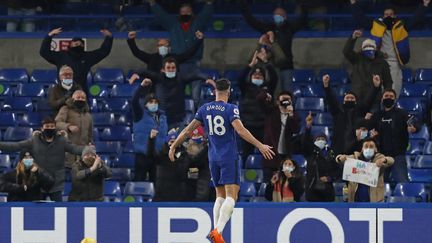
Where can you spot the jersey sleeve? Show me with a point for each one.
(234, 113)
(199, 114)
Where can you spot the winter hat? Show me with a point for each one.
(24, 153)
(149, 97)
(88, 150)
(368, 45)
(361, 123)
(172, 134)
(320, 135)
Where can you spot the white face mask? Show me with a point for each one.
(320, 144)
(67, 84)
(287, 168)
(257, 82)
(170, 74)
(368, 153)
(163, 50)
(363, 134)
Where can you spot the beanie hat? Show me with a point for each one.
(149, 97)
(368, 45)
(88, 150)
(320, 135)
(361, 123)
(172, 134)
(24, 153)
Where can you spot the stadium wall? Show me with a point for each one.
(191, 222)
(222, 54)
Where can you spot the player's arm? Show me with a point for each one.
(266, 150)
(182, 137)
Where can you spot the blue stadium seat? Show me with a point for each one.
(411, 160)
(211, 73)
(207, 93)
(14, 75)
(387, 191)
(6, 91)
(42, 105)
(422, 134)
(411, 105)
(112, 189)
(297, 90)
(415, 146)
(422, 75)
(108, 75)
(337, 76)
(7, 119)
(252, 175)
(189, 105)
(128, 147)
(310, 104)
(47, 76)
(67, 188)
(189, 116)
(5, 162)
(107, 147)
(123, 90)
(108, 159)
(394, 199)
(416, 190)
(315, 130)
(115, 104)
(414, 90)
(341, 90)
(232, 75)
(300, 159)
(103, 119)
(31, 119)
(247, 191)
(18, 104)
(427, 149)
(323, 119)
(98, 90)
(305, 76)
(126, 160)
(253, 161)
(420, 175)
(120, 174)
(94, 106)
(262, 189)
(124, 119)
(116, 133)
(30, 90)
(407, 75)
(313, 90)
(17, 133)
(140, 188)
(422, 161)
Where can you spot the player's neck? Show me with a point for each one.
(221, 98)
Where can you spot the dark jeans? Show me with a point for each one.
(398, 172)
(55, 196)
(144, 165)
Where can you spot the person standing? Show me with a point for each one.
(59, 93)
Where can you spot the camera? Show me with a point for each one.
(285, 103)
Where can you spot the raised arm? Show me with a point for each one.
(273, 78)
(419, 16)
(45, 49)
(204, 17)
(302, 20)
(104, 50)
(141, 92)
(359, 17)
(306, 138)
(182, 57)
(166, 20)
(72, 148)
(333, 103)
(251, 20)
(142, 55)
(371, 95)
(348, 50)
(182, 137)
(17, 146)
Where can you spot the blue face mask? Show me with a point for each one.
(368, 153)
(363, 134)
(320, 144)
(152, 107)
(278, 19)
(67, 81)
(28, 163)
(257, 82)
(369, 54)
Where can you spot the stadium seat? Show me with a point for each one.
(14, 75)
(112, 189)
(115, 104)
(189, 116)
(5, 162)
(315, 130)
(252, 175)
(18, 104)
(47, 76)
(108, 159)
(394, 199)
(116, 133)
(297, 90)
(300, 160)
(189, 105)
(253, 161)
(232, 75)
(416, 190)
(103, 119)
(30, 90)
(422, 161)
(6, 91)
(98, 91)
(42, 105)
(128, 147)
(30, 119)
(387, 191)
(67, 188)
(211, 73)
(407, 75)
(415, 146)
(262, 189)
(124, 119)
(207, 93)
(323, 119)
(140, 188)
(17, 133)
(313, 90)
(420, 175)
(108, 75)
(304, 76)
(247, 191)
(410, 104)
(411, 160)
(427, 149)
(126, 160)
(7, 119)
(422, 134)
(107, 147)
(123, 90)
(414, 90)
(310, 104)
(337, 76)
(120, 174)
(422, 75)
(341, 90)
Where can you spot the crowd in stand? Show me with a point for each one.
(367, 124)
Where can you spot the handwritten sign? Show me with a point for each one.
(361, 172)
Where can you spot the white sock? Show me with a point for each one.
(216, 209)
(225, 213)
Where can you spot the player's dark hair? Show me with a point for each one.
(169, 60)
(223, 84)
(369, 139)
(48, 120)
(389, 90)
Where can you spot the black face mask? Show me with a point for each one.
(80, 104)
(388, 103)
(49, 133)
(185, 18)
(389, 21)
(76, 49)
(349, 104)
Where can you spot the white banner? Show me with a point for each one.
(361, 172)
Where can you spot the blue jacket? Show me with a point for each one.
(142, 130)
(180, 40)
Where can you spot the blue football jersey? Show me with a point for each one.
(217, 117)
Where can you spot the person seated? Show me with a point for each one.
(287, 184)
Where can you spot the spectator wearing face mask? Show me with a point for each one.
(282, 123)
(27, 181)
(88, 176)
(154, 60)
(362, 127)
(286, 184)
(169, 89)
(322, 169)
(150, 128)
(391, 36)
(63, 90)
(48, 149)
(358, 192)
(365, 64)
(76, 120)
(391, 129)
(346, 114)
(76, 57)
(282, 33)
(181, 30)
(257, 83)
